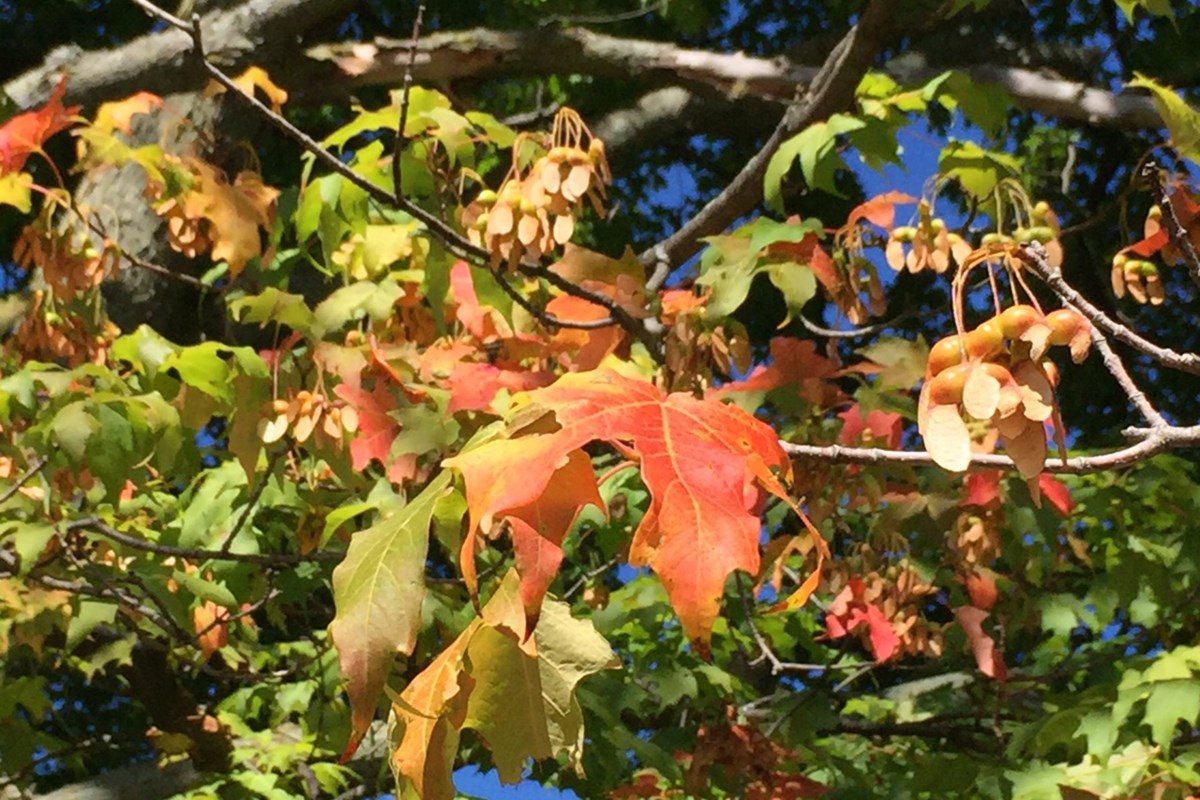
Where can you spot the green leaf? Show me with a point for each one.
(28, 540)
(1169, 702)
(815, 148)
(365, 298)
(1182, 121)
(1157, 8)
(14, 191)
(205, 589)
(144, 348)
(208, 506)
(84, 620)
(72, 427)
(797, 283)
(272, 305)
(523, 703)
(377, 590)
(765, 232)
(976, 169)
(983, 104)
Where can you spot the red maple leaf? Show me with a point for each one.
(849, 612)
(983, 488)
(793, 363)
(881, 209)
(877, 427)
(708, 467)
(376, 431)
(1056, 492)
(988, 657)
(25, 133)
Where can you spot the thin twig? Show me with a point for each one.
(1152, 442)
(36, 467)
(1176, 232)
(96, 525)
(546, 318)
(255, 494)
(618, 312)
(1033, 255)
(1116, 368)
(605, 19)
(170, 19)
(854, 333)
(401, 139)
(587, 576)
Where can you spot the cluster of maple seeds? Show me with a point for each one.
(533, 213)
(997, 375)
(930, 243)
(68, 270)
(892, 600)
(46, 335)
(1132, 274)
(977, 537)
(304, 413)
(1138, 278)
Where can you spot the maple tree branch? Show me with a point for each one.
(9, 562)
(1112, 362)
(941, 726)
(401, 139)
(1034, 256)
(545, 317)
(456, 244)
(741, 79)
(24, 478)
(1153, 440)
(831, 89)
(1151, 175)
(96, 525)
(619, 314)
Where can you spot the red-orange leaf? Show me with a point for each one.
(881, 209)
(376, 431)
(707, 465)
(1056, 492)
(25, 133)
(538, 530)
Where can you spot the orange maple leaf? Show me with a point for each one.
(25, 133)
(881, 209)
(793, 363)
(708, 466)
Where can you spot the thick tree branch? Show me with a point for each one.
(480, 53)
(257, 31)
(156, 62)
(832, 88)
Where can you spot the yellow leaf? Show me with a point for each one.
(14, 191)
(257, 77)
(118, 115)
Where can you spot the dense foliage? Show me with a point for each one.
(384, 451)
